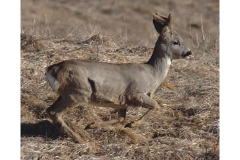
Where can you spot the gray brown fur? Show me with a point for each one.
(118, 86)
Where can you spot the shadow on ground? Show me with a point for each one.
(41, 129)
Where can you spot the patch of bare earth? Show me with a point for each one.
(186, 126)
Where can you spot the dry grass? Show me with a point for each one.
(187, 124)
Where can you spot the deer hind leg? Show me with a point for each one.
(55, 112)
(142, 99)
(121, 118)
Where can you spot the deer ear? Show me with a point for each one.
(163, 24)
(170, 21)
(157, 26)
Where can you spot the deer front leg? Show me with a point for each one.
(142, 99)
(121, 117)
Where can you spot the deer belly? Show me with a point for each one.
(117, 102)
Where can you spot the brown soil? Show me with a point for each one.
(187, 124)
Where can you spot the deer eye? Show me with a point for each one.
(176, 43)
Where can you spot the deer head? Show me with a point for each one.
(169, 42)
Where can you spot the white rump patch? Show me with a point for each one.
(52, 81)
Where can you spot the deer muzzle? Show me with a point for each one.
(188, 55)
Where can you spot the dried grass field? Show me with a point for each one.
(186, 126)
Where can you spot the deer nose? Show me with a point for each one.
(188, 54)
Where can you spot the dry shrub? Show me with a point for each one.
(30, 43)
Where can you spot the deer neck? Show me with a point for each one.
(160, 60)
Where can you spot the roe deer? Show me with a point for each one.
(80, 82)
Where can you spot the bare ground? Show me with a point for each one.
(187, 124)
